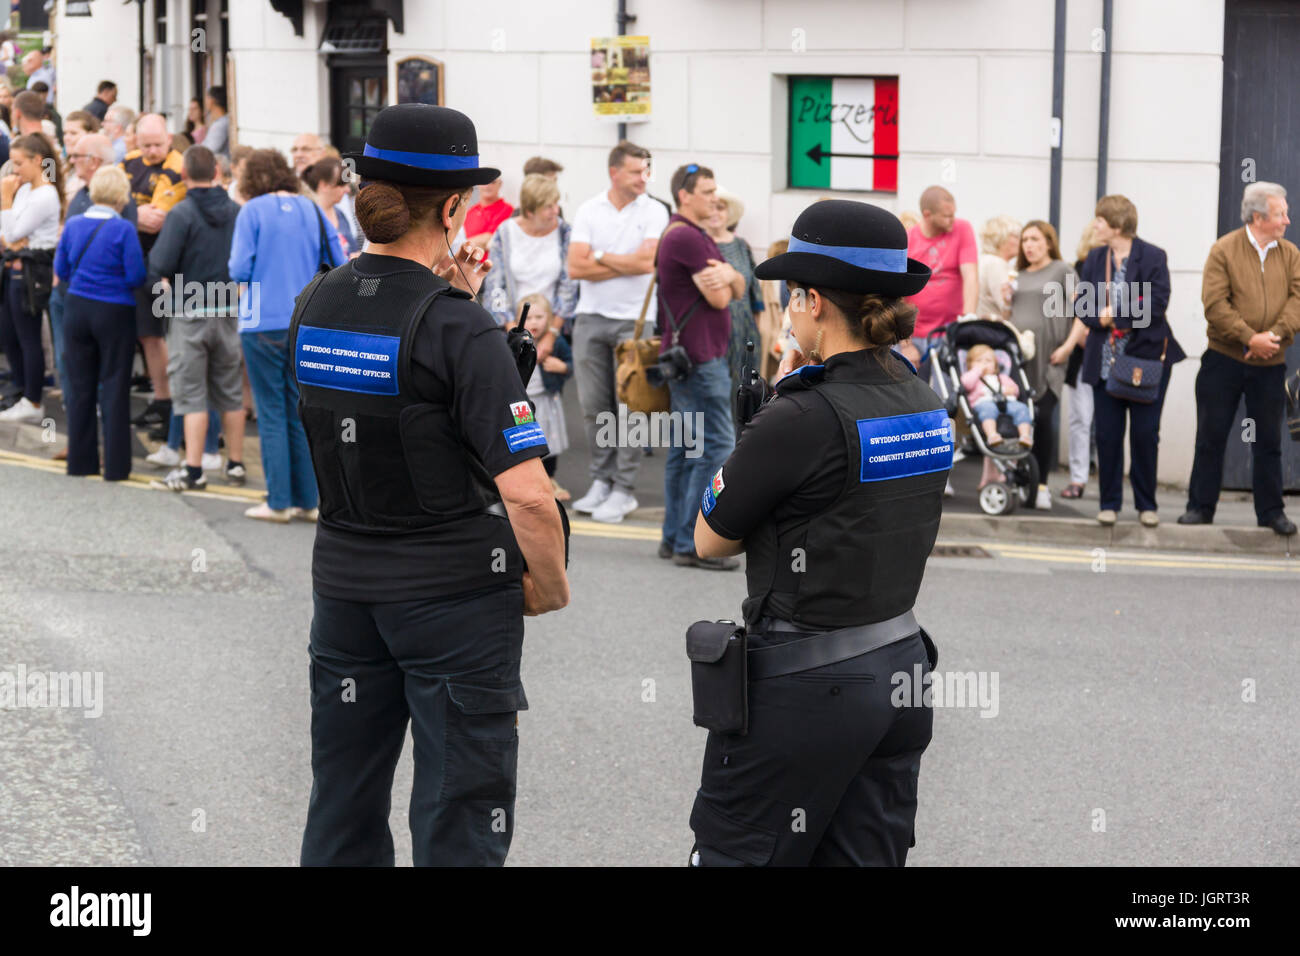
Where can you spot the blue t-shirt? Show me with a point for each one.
(108, 267)
(276, 251)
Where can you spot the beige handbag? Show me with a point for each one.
(635, 355)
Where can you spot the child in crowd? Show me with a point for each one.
(547, 383)
(984, 381)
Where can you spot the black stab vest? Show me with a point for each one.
(860, 560)
(387, 461)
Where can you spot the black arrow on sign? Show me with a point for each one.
(816, 154)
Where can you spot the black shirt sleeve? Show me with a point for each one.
(789, 463)
(460, 359)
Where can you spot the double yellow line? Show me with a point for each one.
(631, 532)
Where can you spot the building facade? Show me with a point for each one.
(734, 84)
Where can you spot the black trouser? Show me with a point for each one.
(22, 338)
(1112, 416)
(827, 774)
(98, 346)
(1220, 384)
(451, 666)
(1044, 449)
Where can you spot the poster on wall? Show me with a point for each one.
(419, 81)
(844, 133)
(620, 78)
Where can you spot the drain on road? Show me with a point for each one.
(959, 551)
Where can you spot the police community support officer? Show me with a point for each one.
(420, 430)
(834, 491)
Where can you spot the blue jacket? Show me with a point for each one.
(277, 249)
(112, 265)
(554, 381)
(1146, 263)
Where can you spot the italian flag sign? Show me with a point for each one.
(844, 132)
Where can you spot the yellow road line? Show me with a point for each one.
(133, 480)
(633, 532)
(1189, 563)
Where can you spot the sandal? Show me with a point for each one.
(1072, 491)
(1000, 480)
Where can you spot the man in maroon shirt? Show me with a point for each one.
(696, 286)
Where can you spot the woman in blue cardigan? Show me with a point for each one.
(1132, 322)
(276, 251)
(98, 260)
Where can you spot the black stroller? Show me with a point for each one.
(1017, 465)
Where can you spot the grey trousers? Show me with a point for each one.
(1080, 432)
(594, 339)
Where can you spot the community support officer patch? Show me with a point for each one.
(348, 361)
(527, 431)
(905, 445)
(711, 492)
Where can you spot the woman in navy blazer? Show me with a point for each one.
(1142, 299)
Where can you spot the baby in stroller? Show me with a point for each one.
(984, 382)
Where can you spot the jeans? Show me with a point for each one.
(988, 409)
(594, 339)
(176, 432)
(100, 340)
(58, 297)
(1143, 446)
(1220, 385)
(703, 402)
(449, 667)
(286, 457)
(22, 338)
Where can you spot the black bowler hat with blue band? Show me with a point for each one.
(849, 246)
(420, 145)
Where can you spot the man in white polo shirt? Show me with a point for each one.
(611, 254)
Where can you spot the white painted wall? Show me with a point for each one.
(99, 47)
(975, 103)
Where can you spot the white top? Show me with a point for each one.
(621, 231)
(534, 260)
(34, 217)
(1263, 253)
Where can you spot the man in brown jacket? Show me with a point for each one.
(1251, 294)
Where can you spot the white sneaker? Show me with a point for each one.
(164, 457)
(595, 496)
(211, 462)
(23, 411)
(1043, 502)
(947, 490)
(614, 508)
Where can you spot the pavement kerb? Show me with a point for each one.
(1086, 532)
(644, 524)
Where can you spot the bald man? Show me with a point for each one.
(38, 71)
(154, 169)
(306, 150)
(947, 245)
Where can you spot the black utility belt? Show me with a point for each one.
(722, 663)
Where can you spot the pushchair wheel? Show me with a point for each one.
(1025, 478)
(997, 498)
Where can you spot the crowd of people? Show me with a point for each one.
(175, 248)
(170, 252)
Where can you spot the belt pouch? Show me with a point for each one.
(719, 676)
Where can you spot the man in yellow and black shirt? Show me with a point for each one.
(154, 169)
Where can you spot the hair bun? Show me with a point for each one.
(886, 321)
(382, 212)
